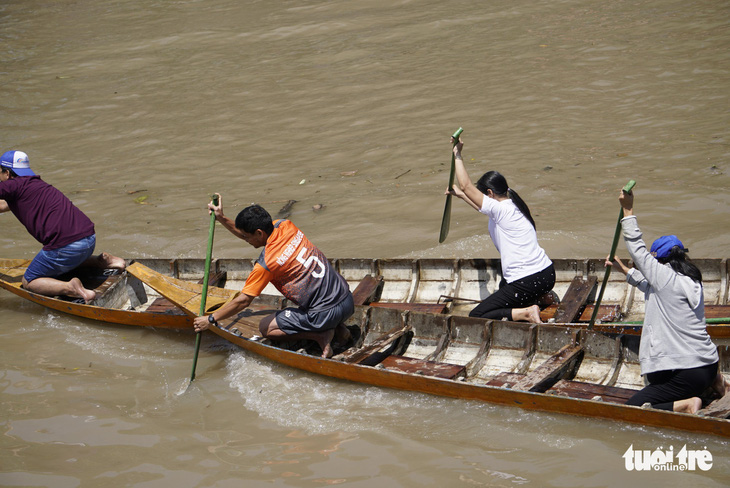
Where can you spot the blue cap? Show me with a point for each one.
(662, 246)
(18, 162)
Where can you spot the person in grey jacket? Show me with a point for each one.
(676, 354)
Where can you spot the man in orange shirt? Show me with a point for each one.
(298, 270)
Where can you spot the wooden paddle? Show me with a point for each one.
(206, 275)
(446, 219)
(627, 189)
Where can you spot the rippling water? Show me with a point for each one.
(138, 110)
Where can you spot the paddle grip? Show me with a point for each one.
(456, 135)
(629, 186)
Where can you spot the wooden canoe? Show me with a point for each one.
(121, 298)
(531, 366)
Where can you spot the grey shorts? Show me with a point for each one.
(295, 320)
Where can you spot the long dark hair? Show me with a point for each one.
(680, 263)
(493, 180)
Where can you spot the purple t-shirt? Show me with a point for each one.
(48, 215)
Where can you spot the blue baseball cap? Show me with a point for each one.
(662, 246)
(18, 162)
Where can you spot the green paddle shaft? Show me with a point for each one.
(206, 275)
(627, 189)
(446, 219)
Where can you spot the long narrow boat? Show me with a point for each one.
(415, 334)
(532, 366)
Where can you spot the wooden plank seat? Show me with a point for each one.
(365, 290)
(573, 389)
(549, 372)
(427, 368)
(163, 305)
(720, 408)
(590, 391)
(575, 299)
(606, 313)
(362, 355)
(717, 311)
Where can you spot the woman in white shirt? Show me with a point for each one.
(527, 272)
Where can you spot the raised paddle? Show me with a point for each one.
(627, 189)
(446, 219)
(206, 275)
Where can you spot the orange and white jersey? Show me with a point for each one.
(297, 269)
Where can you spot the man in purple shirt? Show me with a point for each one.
(66, 233)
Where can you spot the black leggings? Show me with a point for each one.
(666, 387)
(518, 294)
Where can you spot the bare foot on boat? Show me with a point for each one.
(77, 290)
(527, 314)
(342, 336)
(325, 342)
(114, 262)
(689, 405)
(721, 385)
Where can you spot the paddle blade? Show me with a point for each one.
(446, 219)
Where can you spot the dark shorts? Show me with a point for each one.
(296, 320)
(53, 263)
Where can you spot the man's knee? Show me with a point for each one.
(269, 328)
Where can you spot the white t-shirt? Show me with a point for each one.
(515, 239)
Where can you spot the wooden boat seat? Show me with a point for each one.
(365, 290)
(590, 391)
(606, 313)
(364, 355)
(717, 311)
(575, 299)
(573, 389)
(720, 408)
(424, 367)
(163, 305)
(549, 372)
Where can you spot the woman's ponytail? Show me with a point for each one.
(493, 180)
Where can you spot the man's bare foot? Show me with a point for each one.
(341, 337)
(721, 385)
(325, 342)
(689, 405)
(527, 314)
(77, 290)
(110, 261)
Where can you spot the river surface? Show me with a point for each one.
(139, 110)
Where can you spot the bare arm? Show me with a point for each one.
(227, 223)
(619, 265)
(239, 303)
(4, 206)
(469, 193)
